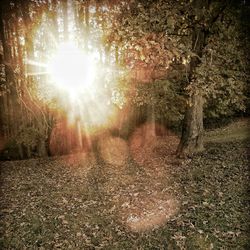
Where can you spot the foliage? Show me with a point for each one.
(29, 136)
(143, 32)
(157, 34)
(222, 74)
(163, 96)
(10, 151)
(140, 44)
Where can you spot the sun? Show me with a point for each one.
(76, 72)
(72, 69)
(82, 86)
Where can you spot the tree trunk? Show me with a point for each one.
(53, 17)
(20, 151)
(192, 128)
(79, 134)
(86, 31)
(192, 131)
(65, 20)
(5, 60)
(28, 152)
(42, 151)
(150, 128)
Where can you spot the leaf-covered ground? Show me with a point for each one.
(144, 199)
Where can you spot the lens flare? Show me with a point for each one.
(114, 150)
(72, 69)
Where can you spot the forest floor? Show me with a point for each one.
(138, 197)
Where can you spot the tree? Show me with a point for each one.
(185, 32)
(179, 46)
(192, 132)
(26, 120)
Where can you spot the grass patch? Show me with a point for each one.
(51, 203)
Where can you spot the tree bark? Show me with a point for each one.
(65, 20)
(150, 125)
(192, 131)
(42, 151)
(79, 134)
(86, 31)
(5, 59)
(192, 128)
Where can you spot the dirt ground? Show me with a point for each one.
(138, 197)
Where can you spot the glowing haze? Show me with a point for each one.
(80, 87)
(72, 69)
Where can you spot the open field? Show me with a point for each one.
(148, 200)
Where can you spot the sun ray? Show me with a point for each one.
(36, 63)
(37, 73)
(71, 68)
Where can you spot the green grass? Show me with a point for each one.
(239, 130)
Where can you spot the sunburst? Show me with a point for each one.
(72, 71)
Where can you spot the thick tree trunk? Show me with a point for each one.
(192, 128)
(192, 132)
